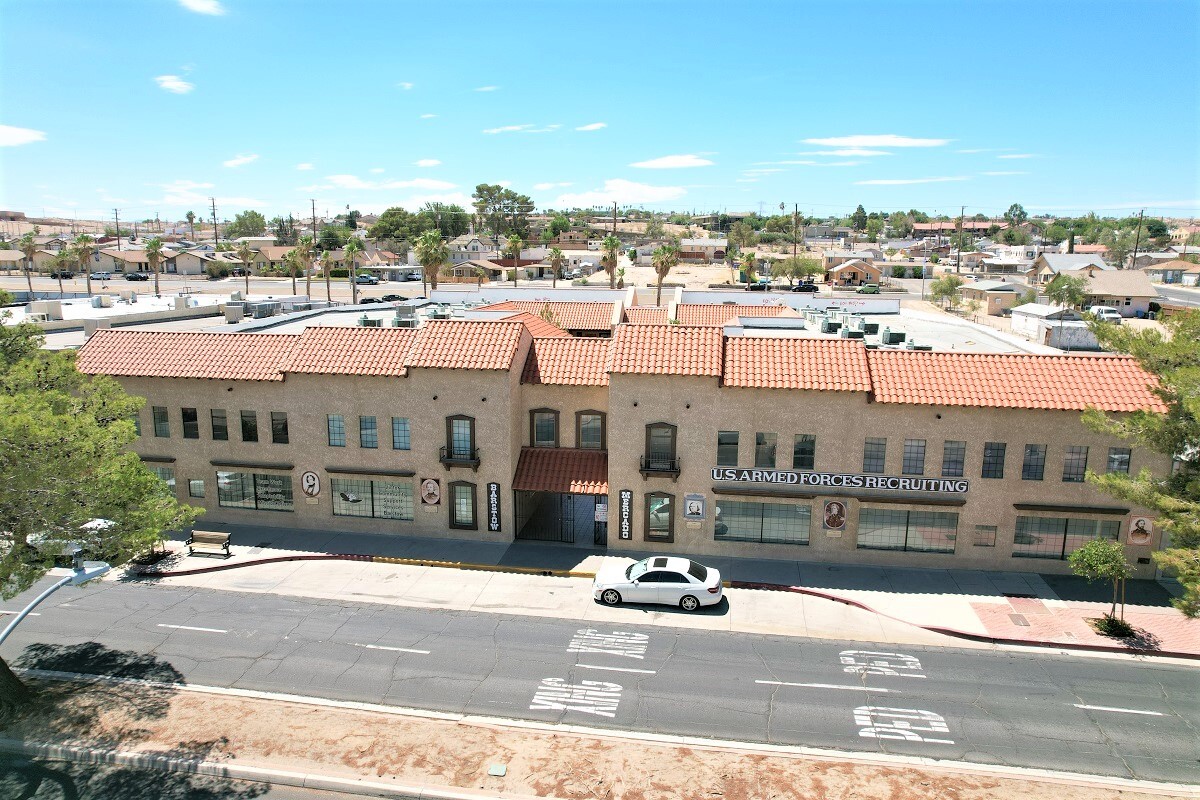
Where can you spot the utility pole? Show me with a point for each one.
(314, 215)
(614, 232)
(213, 200)
(962, 210)
(795, 226)
(1136, 240)
(117, 222)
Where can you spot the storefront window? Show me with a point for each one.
(768, 523)
(660, 516)
(1058, 537)
(377, 499)
(917, 531)
(255, 491)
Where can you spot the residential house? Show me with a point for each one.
(700, 250)
(1047, 265)
(255, 242)
(1168, 271)
(1191, 275)
(831, 258)
(1185, 249)
(472, 247)
(855, 272)
(1127, 290)
(11, 259)
(271, 257)
(1150, 259)
(136, 261)
(994, 297)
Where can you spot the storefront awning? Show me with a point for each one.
(562, 470)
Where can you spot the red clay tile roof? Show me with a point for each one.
(571, 315)
(353, 351)
(467, 344)
(646, 315)
(559, 469)
(1064, 383)
(567, 362)
(666, 350)
(187, 354)
(538, 327)
(717, 314)
(821, 364)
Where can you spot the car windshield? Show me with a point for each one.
(697, 571)
(637, 569)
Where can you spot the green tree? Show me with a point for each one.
(191, 221)
(29, 248)
(154, 254)
(947, 289)
(62, 261)
(400, 225)
(246, 256)
(664, 259)
(874, 228)
(304, 261)
(1068, 291)
(610, 253)
(654, 229)
(1103, 560)
(327, 271)
(557, 259)
(84, 248)
(449, 218)
(285, 231)
(558, 224)
(503, 211)
(918, 271)
(742, 235)
(513, 246)
(247, 223)
(750, 267)
(432, 253)
(1173, 358)
(64, 463)
(1015, 215)
(352, 218)
(858, 220)
(799, 268)
(350, 253)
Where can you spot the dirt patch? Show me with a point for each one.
(378, 746)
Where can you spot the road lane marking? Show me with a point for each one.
(617, 643)
(1118, 710)
(393, 649)
(589, 697)
(877, 722)
(190, 628)
(871, 662)
(831, 686)
(31, 614)
(619, 669)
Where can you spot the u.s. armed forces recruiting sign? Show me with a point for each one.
(841, 480)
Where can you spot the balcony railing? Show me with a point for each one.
(655, 465)
(460, 457)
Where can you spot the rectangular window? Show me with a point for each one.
(462, 505)
(195, 488)
(162, 424)
(660, 516)
(166, 475)
(954, 458)
(544, 428)
(255, 491)
(220, 425)
(1033, 468)
(660, 448)
(1075, 465)
(985, 536)
(993, 459)
(191, 424)
(916, 531)
(137, 424)
(401, 436)
(249, 426)
(368, 433)
(914, 457)
(727, 448)
(1118, 459)
(804, 451)
(377, 499)
(874, 455)
(768, 523)
(462, 437)
(335, 425)
(279, 427)
(1058, 537)
(764, 450)
(591, 431)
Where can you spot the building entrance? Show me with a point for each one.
(560, 517)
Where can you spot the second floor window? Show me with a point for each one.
(993, 459)
(1075, 465)
(954, 457)
(220, 425)
(914, 457)
(279, 427)
(368, 433)
(460, 437)
(162, 424)
(335, 425)
(874, 455)
(1118, 459)
(249, 426)
(1033, 467)
(804, 451)
(591, 434)
(727, 448)
(660, 445)
(764, 450)
(543, 428)
(191, 424)
(401, 435)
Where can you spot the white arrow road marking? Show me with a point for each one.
(831, 686)
(393, 649)
(190, 628)
(618, 669)
(1118, 710)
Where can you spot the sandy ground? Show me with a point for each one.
(378, 746)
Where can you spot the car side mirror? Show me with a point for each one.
(637, 583)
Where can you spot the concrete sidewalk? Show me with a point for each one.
(883, 604)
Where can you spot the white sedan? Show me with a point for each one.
(659, 579)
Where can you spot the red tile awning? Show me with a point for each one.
(562, 470)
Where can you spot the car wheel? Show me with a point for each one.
(689, 603)
(610, 597)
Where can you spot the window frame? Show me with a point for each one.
(533, 417)
(450, 450)
(910, 457)
(811, 440)
(365, 428)
(192, 488)
(453, 487)
(674, 430)
(276, 437)
(190, 426)
(1075, 461)
(407, 427)
(737, 443)
(646, 534)
(990, 463)
(162, 422)
(761, 439)
(589, 412)
(961, 453)
(213, 413)
(329, 430)
(1116, 451)
(244, 416)
(1029, 465)
(874, 441)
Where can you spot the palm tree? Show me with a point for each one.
(350, 253)
(327, 268)
(1066, 291)
(610, 250)
(748, 262)
(85, 248)
(191, 219)
(292, 262)
(664, 258)
(432, 253)
(61, 261)
(513, 247)
(154, 254)
(304, 257)
(246, 256)
(556, 261)
(29, 247)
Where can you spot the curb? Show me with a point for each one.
(411, 562)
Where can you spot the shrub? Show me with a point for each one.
(917, 272)
(898, 270)
(216, 271)
(339, 272)
(580, 282)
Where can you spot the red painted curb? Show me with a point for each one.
(1096, 648)
(255, 562)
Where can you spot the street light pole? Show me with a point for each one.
(88, 571)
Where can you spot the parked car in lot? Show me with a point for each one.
(806, 287)
(868, 288)
(572, 274)
(665, 580)
(369, 280)
(758, 286)
(415, 275)
(1105, 314)
(100, 276)
(62, 273)
(136, 276)
(391, 298)
(362, 300)
(239, 272)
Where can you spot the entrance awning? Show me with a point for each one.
(562, 470)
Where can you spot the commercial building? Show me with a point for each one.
(682, 439)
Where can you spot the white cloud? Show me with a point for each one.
(355, 182)
(377, 170)
(1005, 172)
(595, 126)
(977, 150)
(11, 136)
(240, 160)
(428, 162)
(304, 166)
(762, 170)
(547, 129)
(486, 88)
(184, 193)
(174, 84)
(850, 152)
(428, 116)
(1018, 155)
(617, 190)
(203, 7)
(907, 181)
(877, 140)
(745, 180)
(508, 129)
(544, 187)
(673, 162)
(405, 85)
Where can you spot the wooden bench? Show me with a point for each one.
(209, 542)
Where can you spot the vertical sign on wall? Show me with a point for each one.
(625, 501)
(493, 497)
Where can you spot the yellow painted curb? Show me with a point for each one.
(424, 562)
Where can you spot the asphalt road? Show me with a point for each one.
(1087, 715)
(1178, 296)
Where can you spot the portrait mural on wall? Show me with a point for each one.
(1140, 529)
(835, 515)
(431, 492)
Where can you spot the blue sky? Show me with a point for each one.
(153, 106)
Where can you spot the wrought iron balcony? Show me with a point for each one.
(655, 465)
(460, 457)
